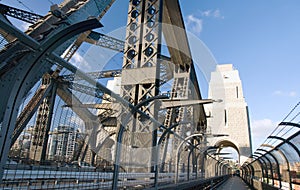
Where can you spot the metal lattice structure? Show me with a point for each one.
(67, 129)
(276, 162)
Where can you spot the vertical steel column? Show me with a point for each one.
(40, 137)
(140, 72)
(120, 133)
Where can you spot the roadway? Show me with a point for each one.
(235, 183)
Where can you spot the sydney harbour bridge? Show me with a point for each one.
(141, 124)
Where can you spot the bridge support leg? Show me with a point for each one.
(120, 137)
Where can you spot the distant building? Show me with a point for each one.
(229, 116)
(114, 85)
(62, 143)
(21, 147)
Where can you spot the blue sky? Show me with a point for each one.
(260, 38)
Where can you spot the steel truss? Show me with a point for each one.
(30, 57)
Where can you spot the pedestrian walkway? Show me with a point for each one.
(235, 183)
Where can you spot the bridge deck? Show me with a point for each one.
(235, 183)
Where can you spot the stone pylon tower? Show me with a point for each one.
(230, 116)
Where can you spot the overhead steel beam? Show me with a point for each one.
(20, 14)
(95, 75)
(167, 69)
(5, 37)
(104, 106)
(182, 103)
(82, 37)
(94, 92)
(175, 34)
(290, 124)
(105, 41)
(68, 97)
(26, 40)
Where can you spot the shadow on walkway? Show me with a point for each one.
(235, 183)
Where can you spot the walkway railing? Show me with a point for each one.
(277, 162)
(208, 173)
(66, 178)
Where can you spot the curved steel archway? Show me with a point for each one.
(277, 159)
(177, 153)
(25, 81)
(268, 166)
(277, 164)
(226, 143)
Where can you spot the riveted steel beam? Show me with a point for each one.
(20, 14)
(24, 81)
(23, 38)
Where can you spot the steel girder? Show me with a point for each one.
(82, 37)
(185, 84)
(40, 135)
(42, 31)
(28, 46)
(20, 14)
(67, 96)
(105, 41)
(140, 77)
(26, 63)
(26, 79)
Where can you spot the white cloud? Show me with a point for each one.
(194, 24)
(212, 13)
(292, 94)
(25, 26)
(260, 130)
(277, 92)
(206, 13)
(285, 94)
(79, 62)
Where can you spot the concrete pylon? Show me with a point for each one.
(230, 116)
